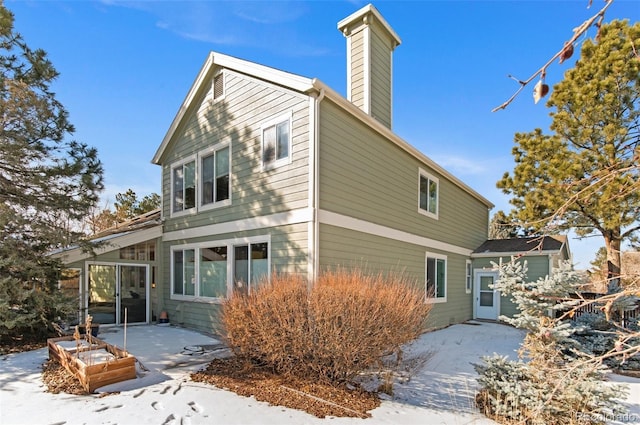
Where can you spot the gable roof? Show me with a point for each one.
(535, 245)
(307, 86)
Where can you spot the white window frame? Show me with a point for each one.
(199, 173)
(223, 75)
(436, 257)
(191, 158)
(197, 247)
(468, 276)
(286, 117)
(425, 174)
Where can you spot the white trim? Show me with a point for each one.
(366, 69)
(302, 215)
(349, 70)
(361, 13)
(468, 278)
(391, 89)
(191, 158)
(436, 300)
(423, 173)
(273, 122)
(339, 220)
(533, 253)
(126, 239)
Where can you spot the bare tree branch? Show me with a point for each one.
(577, 32)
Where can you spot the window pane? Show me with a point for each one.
(440, 290)
(213, 272)
(433, 196)
(178, 187)
(424, 189)
(259, 263)
(283, 140)
(269, 144)
(178, 273)
(189, 272)
(207, 179)
(222, 174)
(190, 185)
(431, 276)
(486, 299)
(485, 281)
(241, 269)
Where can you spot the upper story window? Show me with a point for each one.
(184, 186)
(276, 141)
(215, 181)
(202, 181)
(436, 278)
(218, 86)
(428, 194)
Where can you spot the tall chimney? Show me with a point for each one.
(370, 45)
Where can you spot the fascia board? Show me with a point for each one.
(127, 239)
(533, 253)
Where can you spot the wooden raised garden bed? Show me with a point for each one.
(94, 362)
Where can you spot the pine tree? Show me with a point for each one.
(554, 381)
(584, 175)
(48, 183)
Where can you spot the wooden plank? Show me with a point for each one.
(97, 375)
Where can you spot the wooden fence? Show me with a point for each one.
(598, 307)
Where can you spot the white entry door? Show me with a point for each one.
(487, 300)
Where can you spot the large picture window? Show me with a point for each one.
(276, 141)
(436, 277)
(428, 194)
(213, 271)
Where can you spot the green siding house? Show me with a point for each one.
(265, 171)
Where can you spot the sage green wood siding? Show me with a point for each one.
(365, 176)
(357, 58)
(538, 267)
(380, 75)
(288, 254)
(237, 118)
(374, 254)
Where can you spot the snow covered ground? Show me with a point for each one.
(438, 388)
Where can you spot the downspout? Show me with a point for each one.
(314, 229)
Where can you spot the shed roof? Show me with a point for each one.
(533, 245)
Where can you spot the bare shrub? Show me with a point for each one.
(345, 324)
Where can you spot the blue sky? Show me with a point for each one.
(126, 67)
